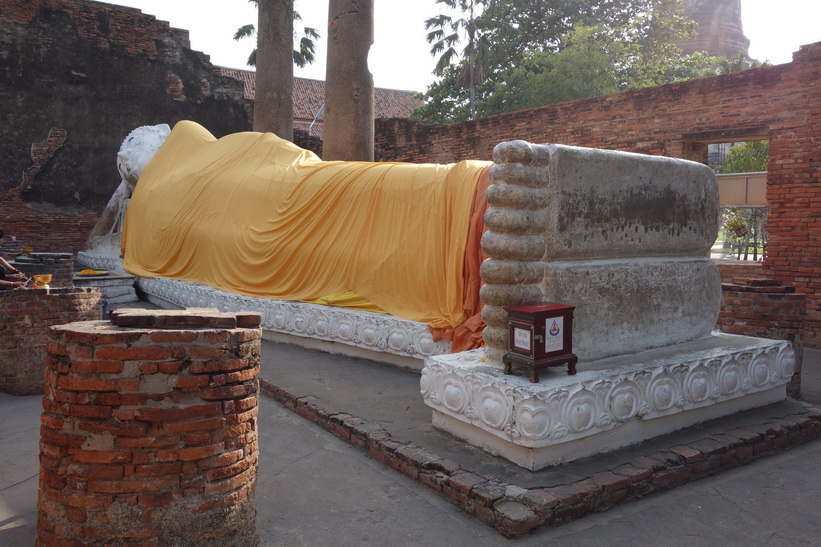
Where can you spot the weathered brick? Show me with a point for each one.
(515, 518)
(152, 485)
(173, 336)
(157, 469)
(540, 500)
(444, 465)
(195, 425)
(136, 353)
(609, 481)
(94, 471)
(669, 477)
(96, 367)
(189, 454)
(73, 383)
(708, 447)
(488, 493)
(179, 414)
(687, 453)
(144, 448)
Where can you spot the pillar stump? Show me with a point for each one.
(149, 431)
(766, 308)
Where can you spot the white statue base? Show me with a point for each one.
(609, 403)
(376, 336)
(117, 287)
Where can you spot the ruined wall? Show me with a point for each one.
(781, 103)
(756, 306)
(76, 78)
(25, 318)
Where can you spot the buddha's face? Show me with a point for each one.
(137, 150)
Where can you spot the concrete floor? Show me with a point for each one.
(314, 489)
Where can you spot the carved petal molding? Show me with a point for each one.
(558, 410)
(372, 331)
(109, 263)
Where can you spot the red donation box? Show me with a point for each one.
(540, 336)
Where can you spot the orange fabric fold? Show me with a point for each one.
(468, 335)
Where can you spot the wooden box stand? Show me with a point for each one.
(541, 336)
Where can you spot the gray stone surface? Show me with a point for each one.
(19, 468)
(606, 204)
(630, 305)
(623, 237)
(117, 288)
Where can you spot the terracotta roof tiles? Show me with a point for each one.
(309, 96)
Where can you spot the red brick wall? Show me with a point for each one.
(738, 268)
(127, 28)
(149, 430)
(760, 307)
(781, 103)
(50, 232)
(25, 317)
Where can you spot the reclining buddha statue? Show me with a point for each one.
(345, 251)
(255, 215)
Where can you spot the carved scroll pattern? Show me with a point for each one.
(542, 416)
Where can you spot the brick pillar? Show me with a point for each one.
(149, 431)
(761, 307)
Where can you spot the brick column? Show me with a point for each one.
(761, 307)
(149, 431)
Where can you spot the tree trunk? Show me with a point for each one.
(273, 96)
(348, 131)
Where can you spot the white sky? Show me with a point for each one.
(400, 58)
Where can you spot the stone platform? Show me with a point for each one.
(355, 333)
(117, 287)
(610, 403)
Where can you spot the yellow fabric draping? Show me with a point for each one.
(253, 214)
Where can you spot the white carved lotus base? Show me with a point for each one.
(610, 403)
(376, 336)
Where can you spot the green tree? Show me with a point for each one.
(747, 157)
(445, 33)
(744, 230)
(578, 70)
(304, 54)
(645, 51)
(729, 65)
(561, 50)
(441, 103)
(534, 26)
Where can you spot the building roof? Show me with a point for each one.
(309, 96)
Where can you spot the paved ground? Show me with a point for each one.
(314, 489)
